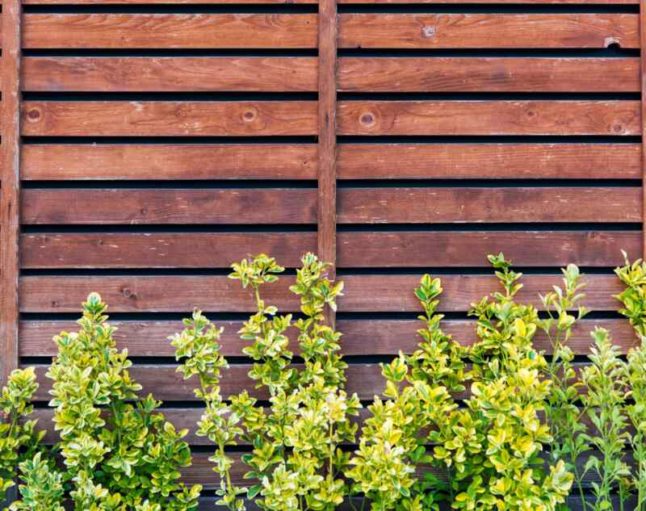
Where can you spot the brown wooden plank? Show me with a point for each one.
(10, 189)
(153, 250)
(642, 18)
(187, 2)
(360, 336)
(504, 161)
(453, 249)
(175, 161)
(489, 118)
(484, 205)
(459, 249)
(169, 206)
(488, 74)
(211, 293)
(326, 212)
(488, 30)
(168, 118)
(169, 74)
(168, 385)
(101, 30)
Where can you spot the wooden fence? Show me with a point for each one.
(147, 144)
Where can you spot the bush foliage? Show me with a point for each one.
(495, 425)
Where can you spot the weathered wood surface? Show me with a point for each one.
(356, 205)
(102, 30)
(488, 74)
(177, 74)
(485, 205)
(187, 162)
(381, 30)
(214, 293)
(381, 337)
(168, 118)
(168, 206)
(454, 249)
(355, 161)
(11, 24)
(504, 161)
(540, 117)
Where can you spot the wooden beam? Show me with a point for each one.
(326, 244)
(642, 30)
(9, 193)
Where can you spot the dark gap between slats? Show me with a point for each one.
(166, 228)
(285, 8)
(495, 96)
(609, 52)
(188, 140)
(201, 184)
(488, 139)
(506, 227)
(488, 183)
(170, 52)
(476, 8)
(177, 96)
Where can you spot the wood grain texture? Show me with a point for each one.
(327, 150)
(453, 249)
(168, 385)
(169, 74)
(503, 161)
(488, 30)
(169, 206)
(484, 205)
(488, 74)
(10, 186)
(642, 26)
(489, 118)
(214, 293)
(360, 337)
(101, 30)
(52, 162)
(154, 250)
(457, 249)
(168, 118)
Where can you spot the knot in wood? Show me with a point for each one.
(34, 114)
(367, 119)
(429, 31)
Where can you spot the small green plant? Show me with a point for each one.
(563, 412)
(297, 462)
(18, 438)
(633, 299)
(118, 452)
(606, 386)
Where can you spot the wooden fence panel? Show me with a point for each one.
(160, 140)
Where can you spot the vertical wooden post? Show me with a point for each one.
(10, 185)
(642, 30)
(327, 26)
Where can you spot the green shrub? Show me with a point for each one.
(118, 453)
(296, 462)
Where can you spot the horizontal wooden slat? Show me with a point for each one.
(484, 205)
(489, 118)
(505, 161)
(488, 30)
(483, 74)
(152, 250)
(152, 2)
(362, 293)
(169, 74)
(168, 118)
(360, 336)
(458, 249)
(169, 206)
(168, 385)
(100, 30)
(185, 162)
(355, 161)
(355, 249)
